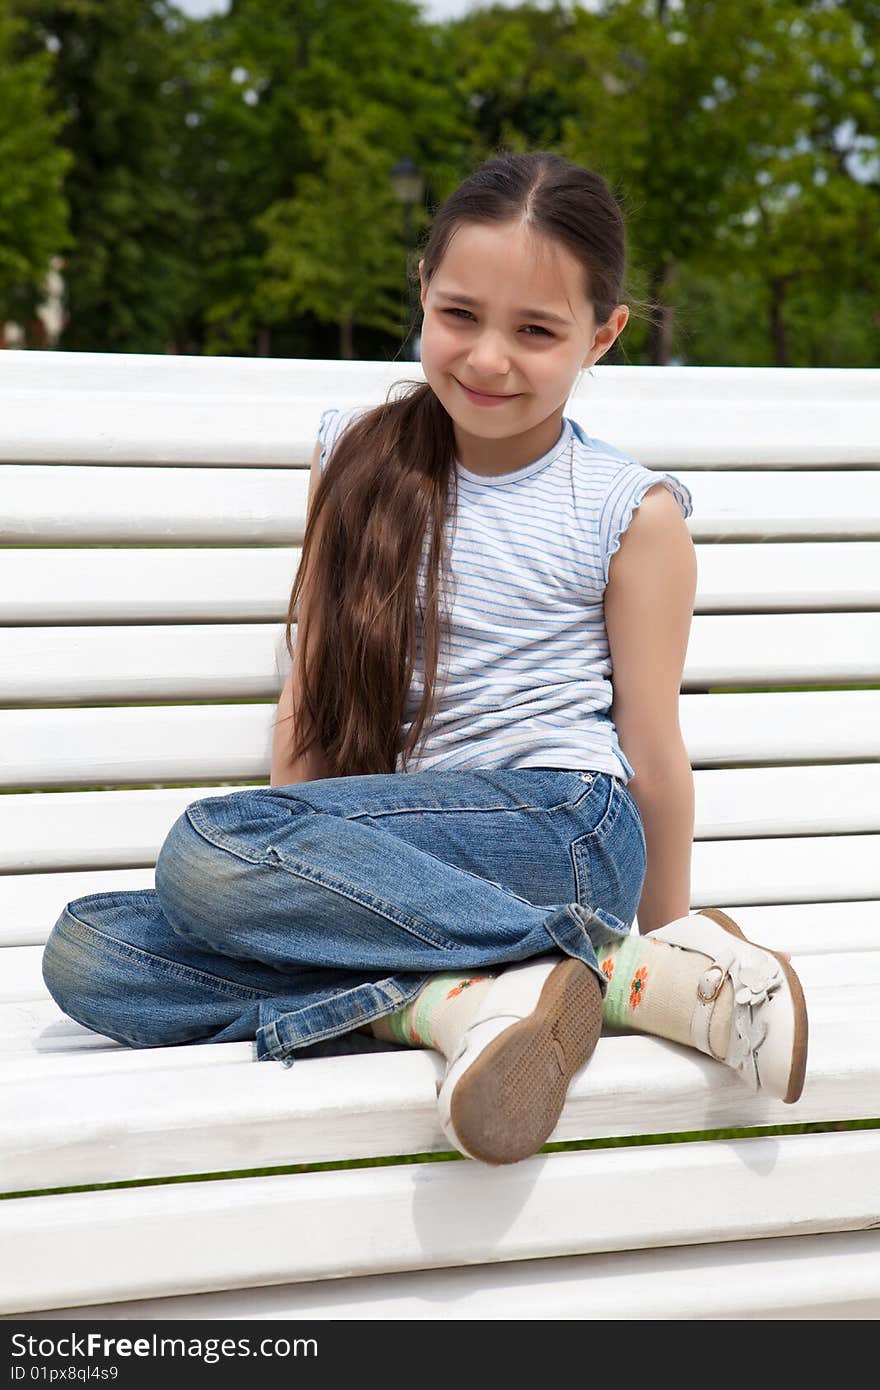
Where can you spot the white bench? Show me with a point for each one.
(152, 509)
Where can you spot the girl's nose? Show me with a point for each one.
(489, 357)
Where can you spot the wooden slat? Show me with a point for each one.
(768, 649)
(215, 661)
(22, 980)
(101, 747)
(134, 407)
(77, 1248)
(145, 585)
(35, 1034)
(86, 505)
(31, 903)
(804, 869)
(230, 743)
(145, 408)
(61, 665)
(115, 829)
(140, 585)
(252, 583)
(89, 504)
(741, 873)
(769, 577)
(78, 830)
(782, 1277)
(107, 1118)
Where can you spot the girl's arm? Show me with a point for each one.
(649, 604)
(311, 766)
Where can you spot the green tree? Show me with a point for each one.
(287, 88)
(116, 77)
(334, 249)
(713, 122)
(33, 211)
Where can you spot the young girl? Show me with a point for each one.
(458, 832)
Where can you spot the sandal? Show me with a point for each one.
(506, 1084)
(768, 1035)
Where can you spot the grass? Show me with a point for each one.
(405, 1160)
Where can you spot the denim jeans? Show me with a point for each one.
(294, 915)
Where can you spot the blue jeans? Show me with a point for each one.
(294, 915)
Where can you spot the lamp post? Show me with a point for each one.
(408, 187)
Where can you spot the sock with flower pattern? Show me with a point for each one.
(652, 988)
(439, 1014)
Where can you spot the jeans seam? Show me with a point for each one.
(174, 969)
(467, 810)
(217, 838)
(275, 859)
(599, 832)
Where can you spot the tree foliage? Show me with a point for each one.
(33, 164)
(116, 80)
(226, 182)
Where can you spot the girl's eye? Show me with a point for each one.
(535, 326)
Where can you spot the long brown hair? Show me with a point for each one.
(385, 494)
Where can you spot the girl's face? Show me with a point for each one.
(524, 334)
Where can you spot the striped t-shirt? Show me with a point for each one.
(524, 678)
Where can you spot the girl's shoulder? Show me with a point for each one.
(615, 484)
(619, 475)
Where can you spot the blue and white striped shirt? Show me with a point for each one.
(524, 678)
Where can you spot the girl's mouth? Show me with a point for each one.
(481, 398)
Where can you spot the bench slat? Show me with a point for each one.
(22, 978)
(780, 1277)
(175, 506)
(121, 1114)
(110, 829)
(95, 505)
(252, 583)
(76, 1248)
(784, 870)
(30, 903)
(186, 743)
(216, 661)
(156, 409)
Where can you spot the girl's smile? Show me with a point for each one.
(482, 397)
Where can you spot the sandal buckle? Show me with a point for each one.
(722, 976)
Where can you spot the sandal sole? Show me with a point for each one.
(797, 1075)
(509, 1100)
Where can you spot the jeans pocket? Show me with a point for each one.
(610, 859)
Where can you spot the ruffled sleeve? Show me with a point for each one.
(333, 421)
(627, 491)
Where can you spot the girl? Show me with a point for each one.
(458, 832)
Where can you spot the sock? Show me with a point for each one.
(439, 1015)
(652, 988)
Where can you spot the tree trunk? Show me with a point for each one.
(778, 335)
(660, 339)
(346, 339)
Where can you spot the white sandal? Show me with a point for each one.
(507, 1081)
(768, 1035)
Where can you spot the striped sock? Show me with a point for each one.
(652, 988)
(439, 1014)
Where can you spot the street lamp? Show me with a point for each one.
(408, 187)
